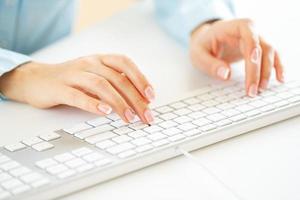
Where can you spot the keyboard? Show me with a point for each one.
(54, 164)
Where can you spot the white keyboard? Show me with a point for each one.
(57, 163)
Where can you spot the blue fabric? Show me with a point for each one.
(180, 17)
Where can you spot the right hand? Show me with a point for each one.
(97, 84)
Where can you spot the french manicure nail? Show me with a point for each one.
(104, 108)
(282, 78)
(263, 85)
(223, 73)
(129, 114)
(148, 115)
(255, 56)
(252, 90)
(149, 93)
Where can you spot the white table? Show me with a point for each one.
(262, 165)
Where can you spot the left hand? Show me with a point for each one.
(214, 46)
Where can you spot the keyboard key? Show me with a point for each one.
(123, 130)
(182, 111)
(137, 134)
(208, 127)
(244, 108)
(238, 118)
(252, 113)
(201, 122)
(100, 137)
(168, 124)
(177, 137)
(210, 103)
(77, 128)
(281, 104)
(46, 163)
(50, 136)
(40, 183)
(4, 177)
(127, 154)
(294, 99)
(186, 126)
(4, 159)
(82, 151)
(75, 163)
(138, 126)
(43, 146)
(267, 108)
(94, 131)
(19, 171)
(32, 141)
(144, 148)
(211, 110)
(168, 116)
(103, 162)
(164, 109)
(9, 165)
(15, 147)
(178, 105)
(192, 101)
(85, 167)
(122, 139)
(113, 116)
(141, 141)
(258, 104)
(99, 121)
(56, 169)
(223, 122)
(120, 148)
(10, 184)
(183, 119)
(105, 144)
(161, 143)
(31, 177)
(64, 157)
(92, 157)
(156, 136)
(197, 115)
(216, 117)
(272, 99)
(119, 123)
(66, 174)
(230, 112)
(196, 107)
(225, 106)
(20, 189)
(171, 131)
(192, 132)
(153, 129)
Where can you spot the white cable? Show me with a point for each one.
(212, 175)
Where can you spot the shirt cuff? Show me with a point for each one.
(9, 60)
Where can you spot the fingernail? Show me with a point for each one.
(104, 108)
(148, 115)
(255, 56)
(252, 90)
(223, 73)
(263, 85)
(149, 93)
(130, 114)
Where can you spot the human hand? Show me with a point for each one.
(214, 46)
(97, 84)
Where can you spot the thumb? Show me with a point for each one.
(210, 64)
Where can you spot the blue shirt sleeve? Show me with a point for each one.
(180, 17)
(9, 60)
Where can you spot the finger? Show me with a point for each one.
(128, 91)
(100, 87)
(210, 64)
(252, 52)
(124, 65)
(268, 57)
(279, 68)
(75, 98)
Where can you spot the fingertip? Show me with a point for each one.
(223, 72)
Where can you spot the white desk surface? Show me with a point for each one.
(260, 165)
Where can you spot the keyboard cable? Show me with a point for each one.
(197, 162)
